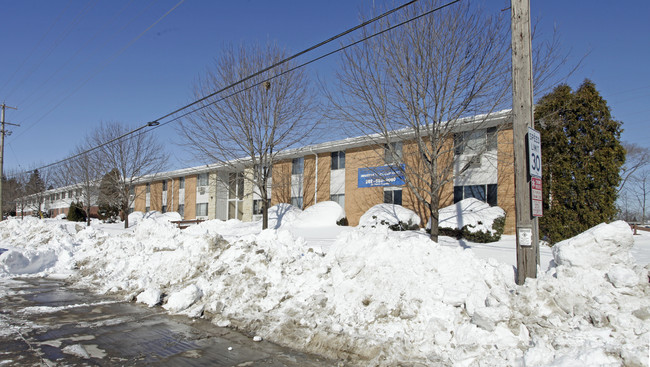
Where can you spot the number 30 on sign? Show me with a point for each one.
(534, 153)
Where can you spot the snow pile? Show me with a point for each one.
(36, 247)
(282, 214)
(594, 306)
(137, 217)
(388, 215)
(322, 214)
(473, 214)
(377, 297)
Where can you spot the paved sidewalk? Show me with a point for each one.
(46, 323)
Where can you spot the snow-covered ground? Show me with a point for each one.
(367, 296)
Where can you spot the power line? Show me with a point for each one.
(156, 123)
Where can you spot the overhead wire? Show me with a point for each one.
(156, 123)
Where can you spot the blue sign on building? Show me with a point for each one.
(381, 176)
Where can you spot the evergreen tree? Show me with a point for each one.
(36, 187)
(76, 212)
(581, 159)
(109, 195)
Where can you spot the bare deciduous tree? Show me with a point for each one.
(84, 172)
(417, 82)
(134, 157)
(636, 157)
(257, 119)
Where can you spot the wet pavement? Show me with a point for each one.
(44, 322)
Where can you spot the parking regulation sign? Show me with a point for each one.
(536, 196)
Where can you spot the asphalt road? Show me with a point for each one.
(44, 322)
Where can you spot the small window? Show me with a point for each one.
(202, 210)
(78, 192)
(146, 209)
(148, 188)
(203, 179)
(181, 183)
(257, 206)
(70, 194)
(164, 209)
(164, 185)
(132, 190)
(339, 199)
(338, 160)
(297, 201)
(492, 138)
(393, 197)
(63, 195)
(492, 191)
(298, 166)
(485, 193)
(181, 210)
(393, 153)
(57, 196)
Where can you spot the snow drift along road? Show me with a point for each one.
(377, 297)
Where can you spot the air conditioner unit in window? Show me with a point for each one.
(201, 190)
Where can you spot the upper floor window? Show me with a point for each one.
(298, 166)
(476, 141)
(393, 153)
(148, 187)
(164, 185)
(181, 183)
(203, 179)
(338, 160)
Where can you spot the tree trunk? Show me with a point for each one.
(125, 210)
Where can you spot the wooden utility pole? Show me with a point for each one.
(3, 132)
(522, 114)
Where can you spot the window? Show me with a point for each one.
(181, 183)
(63, 195)
(57, 196)
(202, 210)
(146, 209)
(393, 153)
(78, 192)
(164, 209)
(164, 185)
(297, 201)
(486, 193)
(298, 166)
(203, 179)
(393, 197)
(339, 199)
(235, 195)
(475, 142)
(257, 206)
(70, 194)
(132, 190)
(148, 188)
(181, 210)
(338, 160)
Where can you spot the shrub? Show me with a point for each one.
(76, 212)
(485, 236)
(342, 222)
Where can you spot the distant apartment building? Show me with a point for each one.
(345, 171)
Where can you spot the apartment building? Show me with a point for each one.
(355, 173)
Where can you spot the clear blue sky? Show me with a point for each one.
(66, 66)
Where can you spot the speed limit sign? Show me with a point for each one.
(534, 153)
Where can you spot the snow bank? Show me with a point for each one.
(322, 214)
(388, 214)
(376, 298)
(473, 213)
(282, 214)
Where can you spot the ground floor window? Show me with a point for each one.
(393, 197)
(181, 210)
(146, 209)
(164, 208)
(339, 199)
(202, 210)
(486, 193)
(297, 201)
(258, 207)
